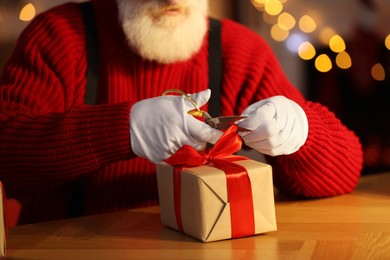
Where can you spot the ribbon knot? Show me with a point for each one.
(239, 187)
(229, 143)
(209, 158)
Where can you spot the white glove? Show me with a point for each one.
(279, 126)
(160, 126)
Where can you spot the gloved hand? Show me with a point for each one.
(279, 126)
(160, 126)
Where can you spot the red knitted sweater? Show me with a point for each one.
(48, 137)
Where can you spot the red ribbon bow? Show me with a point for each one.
(238, 183)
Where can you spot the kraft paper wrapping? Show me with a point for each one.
(205, 207)
(3, 224)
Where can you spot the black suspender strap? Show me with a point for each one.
(215, 67)
(214, 59)
(78, 186)
(92, 52)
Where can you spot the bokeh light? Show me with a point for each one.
(307, 24)
(306, 51)
(27, 13)
(278, 34)
(343, 60)
(337, 44)
(286, 21)
(323, 63)
(273, 7)
(378, 72)
(387, 42)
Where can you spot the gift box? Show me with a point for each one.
(215, 195)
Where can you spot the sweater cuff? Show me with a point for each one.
(107, 131)
(328, 164)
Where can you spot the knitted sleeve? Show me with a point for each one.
(47, 135)
(330, 161)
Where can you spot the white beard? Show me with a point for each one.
(161, 37)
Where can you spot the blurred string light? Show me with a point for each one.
(286, 21)
(279, 34)
(273, 7)
(343, 60)
(337, 43)
(307, 24)
(27, 13)
(323, 63)
(387, 42)
(306, 51)
(378, 72)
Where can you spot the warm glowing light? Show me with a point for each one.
(325, 35)
(273, 7)
(286, 21)
(306, 51)
(378, 72)
(387, 42)
(337, 44)
(307, 24)
(323, 63)
(258, 4)
(27, 13)
(278, 34)
(343, 60)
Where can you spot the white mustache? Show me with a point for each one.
(156, 11)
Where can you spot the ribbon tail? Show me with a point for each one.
(240, 198)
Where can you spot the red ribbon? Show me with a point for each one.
(238, 183)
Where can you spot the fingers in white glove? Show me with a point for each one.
(198, 129)
(200, 98)
(275, 145)
(203, 132)
(263, 112)
(279, 126)
(160, 126)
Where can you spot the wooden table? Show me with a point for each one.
(353, 226)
